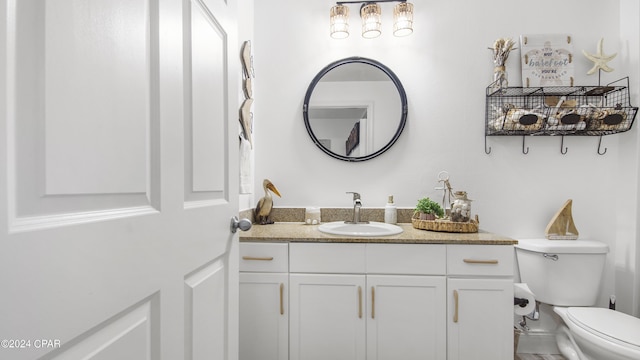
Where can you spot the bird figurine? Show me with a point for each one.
(265, 204)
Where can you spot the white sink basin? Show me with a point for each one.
(371, 229)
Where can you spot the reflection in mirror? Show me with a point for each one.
(332, 125)
(355, 109)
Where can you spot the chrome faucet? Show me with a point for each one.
(357, 204)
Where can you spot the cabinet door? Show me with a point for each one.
(327, 319)
(406, 317)
(480, 319)
(264, 316)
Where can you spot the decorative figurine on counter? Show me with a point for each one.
(599, 59)
(265, 204)
(461, 207)
(443, 177)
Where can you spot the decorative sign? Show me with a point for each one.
(547, 60)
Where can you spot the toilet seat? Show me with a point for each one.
(613, 326)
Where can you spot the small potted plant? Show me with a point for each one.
(429, 209)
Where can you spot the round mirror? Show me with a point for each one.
(355, 109)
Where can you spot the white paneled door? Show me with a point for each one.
(118, 179)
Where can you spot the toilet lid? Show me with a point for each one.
(610, 323)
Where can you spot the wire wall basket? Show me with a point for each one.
(559, 110)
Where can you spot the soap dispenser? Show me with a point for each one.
(390, 212)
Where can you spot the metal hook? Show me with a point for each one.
(563, 151)
(524, 152)
(485, 147)
(600, 143)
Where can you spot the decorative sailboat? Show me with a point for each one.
(561, 226)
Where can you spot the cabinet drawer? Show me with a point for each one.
(264, 257)
(327, 258)
(491, 260)
(409, 259)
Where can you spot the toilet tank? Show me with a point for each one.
(562, 272)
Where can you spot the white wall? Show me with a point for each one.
(627, 255)
(445, 66)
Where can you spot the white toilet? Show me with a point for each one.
(566, 274)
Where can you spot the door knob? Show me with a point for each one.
(242, 224)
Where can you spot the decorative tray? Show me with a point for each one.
(445, 225)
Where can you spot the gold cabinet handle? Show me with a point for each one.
(268, 258)
(472, 261)
(455, 307)
(373, 302)
(281, 299)
(360, 302)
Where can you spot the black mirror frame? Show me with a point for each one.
(396, 82)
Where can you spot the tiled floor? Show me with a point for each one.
(538, 357)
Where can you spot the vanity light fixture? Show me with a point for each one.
(339, 22)
(371, 13)
(371, 24)
(403, 19)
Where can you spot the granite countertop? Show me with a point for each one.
(300, 232)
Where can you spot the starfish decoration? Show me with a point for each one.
(599, 59)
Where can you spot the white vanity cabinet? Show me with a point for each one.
(480, 302)
(327, 317)
(406, 301)
(367, 301)
(406, 317)
(327, 301)
(264, 301)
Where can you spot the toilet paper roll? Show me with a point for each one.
(522, 291)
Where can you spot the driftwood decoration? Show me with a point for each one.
(561, 226)
(246, 116)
